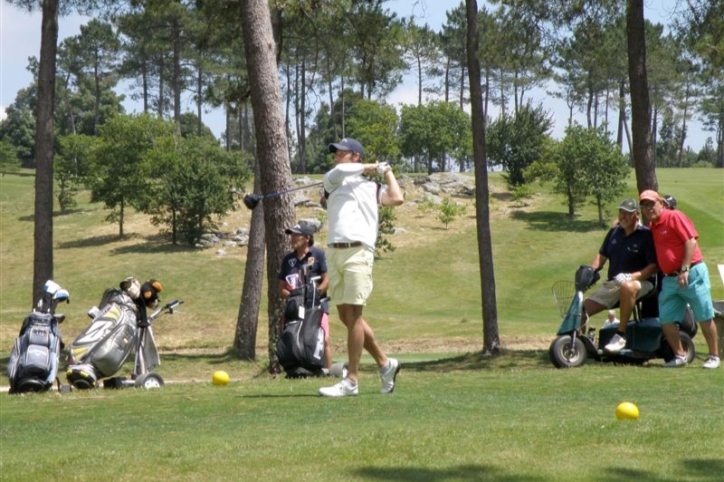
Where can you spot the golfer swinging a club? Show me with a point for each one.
(352, 211)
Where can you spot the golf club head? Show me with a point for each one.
(252, 200)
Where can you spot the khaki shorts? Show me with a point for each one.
(350, 275)
(608, 294)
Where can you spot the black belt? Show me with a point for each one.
(677, 273)
(353, 244)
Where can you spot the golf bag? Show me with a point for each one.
(103, 347)
(34, 359)
(300, 349)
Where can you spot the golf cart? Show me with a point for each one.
(644, 338)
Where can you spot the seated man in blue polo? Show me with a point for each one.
(629, 248)
(301, 265)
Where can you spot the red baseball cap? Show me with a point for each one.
(649, 195)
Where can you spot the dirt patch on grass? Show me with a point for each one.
(431, 345)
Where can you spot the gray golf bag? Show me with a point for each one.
(104, 346)
(34, 359)
(300, 349)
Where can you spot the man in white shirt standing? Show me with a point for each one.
(353, 216)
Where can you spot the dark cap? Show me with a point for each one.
(670, 201)
(304, 230)
(348, 144)
(300, 229)
(629, 205)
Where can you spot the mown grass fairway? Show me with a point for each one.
(454, 416)
(461, 420)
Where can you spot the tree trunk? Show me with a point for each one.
(640, 104)
(491, 337)
(248, 319)
(44, 127)
(720, 142)
(419, 80)
(161, 81)
(199, 98)
(300, 107)
(176, 71)
(271, 149)
(621, 113)
(599, 207)
(684, 115)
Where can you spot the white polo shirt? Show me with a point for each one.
(352, 206)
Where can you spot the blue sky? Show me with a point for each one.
(20, 39)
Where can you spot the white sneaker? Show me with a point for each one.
(712, 362)
(344, 388)
(388, 373)
(616, 344)
(676, 362)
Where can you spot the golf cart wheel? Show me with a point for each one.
(149, 381)
(687, 323)
(686, 343)
(338, 370)
(564, 353)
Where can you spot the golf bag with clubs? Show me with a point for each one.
(35, 356)
(119, 326)
(300, 349)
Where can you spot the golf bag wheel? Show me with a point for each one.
(686, 343)
(81, 377)
(114, 382)
(564, 353)
(338, 370)
(149, 381)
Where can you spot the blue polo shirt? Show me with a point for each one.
(314, 259)
(627, 254)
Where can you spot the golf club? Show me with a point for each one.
(252, 200)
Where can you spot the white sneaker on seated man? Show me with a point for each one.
(623, 290)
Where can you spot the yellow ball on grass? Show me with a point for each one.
(220, 378)
(627, 411)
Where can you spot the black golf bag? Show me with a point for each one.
(103, 347)
(34, 359)
(300, 349)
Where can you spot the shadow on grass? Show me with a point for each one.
(698, 470)
(56, 214)
(286, 395)
(532, 359)
(553, 221)
(208, 358)
(157, 243)
(472, 473)
(154, 244)
(95, 241)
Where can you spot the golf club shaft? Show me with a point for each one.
(298, 188)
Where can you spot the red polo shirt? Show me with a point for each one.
(671, 231)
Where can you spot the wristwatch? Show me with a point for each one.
(684, 269)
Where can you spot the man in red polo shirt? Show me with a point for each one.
(686, 279)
